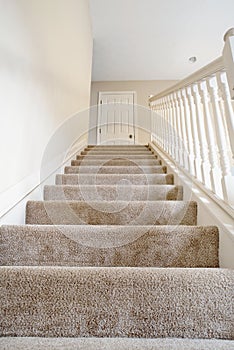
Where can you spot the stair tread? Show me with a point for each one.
(87, 245)
(116, 162)
(114, 192)
(109, 169)
(111, 212)
(41, 343)
(137, 179)
(134, 302)
(119, 155)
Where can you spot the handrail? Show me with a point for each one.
(211, 68)
(193, 122)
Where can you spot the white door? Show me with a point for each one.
(116, 119)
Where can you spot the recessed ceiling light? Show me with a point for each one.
(193, 59)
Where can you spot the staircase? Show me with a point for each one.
(113, 258)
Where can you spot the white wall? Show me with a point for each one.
(45, 70)
(143, 89)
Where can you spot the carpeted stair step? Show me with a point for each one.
(109, 157)
(61, 343)
(116, 302)
(115, 179)
(113, 193)
(115, 169)
(144, 246)
(118, 146)
(118, 152)
(103, 169)
(111, 213)
(115, 162)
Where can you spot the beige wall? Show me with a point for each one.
(143, 88)
(46, 59)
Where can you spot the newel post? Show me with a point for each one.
(228, 58)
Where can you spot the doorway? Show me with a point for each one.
(116, 118)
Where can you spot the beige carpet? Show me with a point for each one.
(39, 343)
(116, 302)
(162, 246)
(113, 193)
(112, 259)
(115, 179)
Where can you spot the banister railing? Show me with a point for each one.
(193, 122)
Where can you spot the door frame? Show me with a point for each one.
(100, 97)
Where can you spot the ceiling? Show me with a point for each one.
(153, 39)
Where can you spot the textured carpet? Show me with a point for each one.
(115, 179)
(115, 169)
(160, 246)
(111, 257)
(116, 302)
(113, 193)
(106, 156)
(110, 161)
(111, 213)
(38, 343)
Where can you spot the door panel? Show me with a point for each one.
(116, 118)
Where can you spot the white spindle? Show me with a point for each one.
(177, 156)
(169, 134)
(167, 125)
(179, 132)
(228, 107)
(183, 132)
(221, 139)
(194, 134)
(187, 126)
(173, 141)
(201, 137)
(214, 171)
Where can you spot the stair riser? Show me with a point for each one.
(107, 302)
(121, 151)
(118, 153)
(117, 147)
(109, 246)
(115, 179)
(115, 169)
(111, 213)
(111, 157)
(116, 162)
(113, 193)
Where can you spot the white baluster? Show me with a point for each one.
(214, 170)
(183, 132)
(179, 132)
(166, 124)
(221, 138)
(187, 125)
(195, 140)
(176, 139)
(162, 123)
(228, 107)
(172, 121)
(170, 136)
(202, 137)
